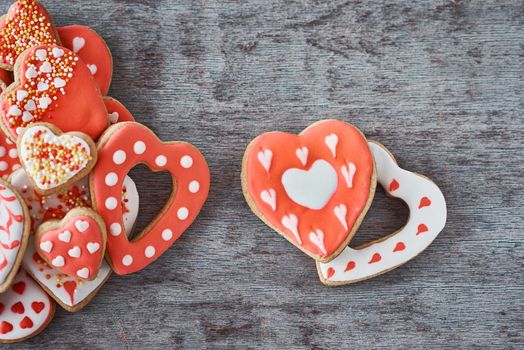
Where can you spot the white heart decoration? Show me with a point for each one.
(82, 225)
(92, 247)
(291, 223)
(270, 197)
(58, 261)
(332, 141)
(74, 252)
(46, 246)
(311, 188)
(265, 157)
(65, 236)
(78, 44)
(302, 154)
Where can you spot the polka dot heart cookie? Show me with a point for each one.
(74, 245)
(123, 146)
(313, 188)
(52, 84)
(427, 217)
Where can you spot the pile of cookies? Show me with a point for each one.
(67, 206)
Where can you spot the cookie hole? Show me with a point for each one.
(385, 216)
(154, 190)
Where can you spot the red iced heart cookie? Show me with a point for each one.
(26, 24)
(53, 85)
(117, 112)
(25, 309)
(75, 245)
(123, 146)
(92, 49)
(313, 188)
(15, 225)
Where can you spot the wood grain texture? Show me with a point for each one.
(440, 83)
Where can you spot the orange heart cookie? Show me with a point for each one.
(53, 85)
(313, 188)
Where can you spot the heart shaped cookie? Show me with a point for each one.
(70, 292)
(26, 25)
(53, 85)
(123, 146)
(313, 188)
(52, 159)
(92, 49)
(427, 217)
(15, 225)
(75, 245)
(25, 309)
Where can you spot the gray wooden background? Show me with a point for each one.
(438, 82)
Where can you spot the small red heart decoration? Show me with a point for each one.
(19, 31)
(421, 229)
(53, 85)
(394, 185)
(330, 272)
(37, 306)
(350, 266)
(399, 247)
(5, 327)
(375, 258)
(313, 188)
(18, 308)
(19, 287)
(424, 202)
(26, 323)
(74, 245)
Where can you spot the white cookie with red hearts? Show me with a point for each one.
(15, 225)
(427, 218)
(25, 309)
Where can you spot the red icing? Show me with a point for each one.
(6, 79)
(18, 308)
(150, 244)
(5, 327)
(37, 306)
(19, 287)
(399, 247)
(94, 51)
(26, 24)
(350, 266)
(70, 287)
(421, 229)
(78, 243)
(330, 272)
(393, 186)
(351, 147)
(117, 112)
(375, 258)
(424, 202)
(78, 105)
(2, 307)
(26, 323)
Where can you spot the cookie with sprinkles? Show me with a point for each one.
(26, 24)
(54, 160)
(52, 84)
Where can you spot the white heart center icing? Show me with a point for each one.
(311, 188)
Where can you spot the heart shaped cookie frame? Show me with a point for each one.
(427, 218)
(314, 188)
(123, 146)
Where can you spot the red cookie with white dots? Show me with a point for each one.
(53, 160)
(52, 84)
(8, 156)
(123, 146)
(74, 245)
(26, 24)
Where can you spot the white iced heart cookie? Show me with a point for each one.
(52, 159)
(427, 218)
(311, 188)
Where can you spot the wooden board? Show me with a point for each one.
(438, 82)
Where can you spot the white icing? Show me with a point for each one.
(317, 238)
(412, 188)
(65, 236)
(269, 197)
(83, 272)
(33, 293)
(119, 157)
(341, 212)
(194, 186)
(167, 234)
(265, 157)
(127, 260)
(93, 247)
(82, 225)
(78, 44)
(75, 252)
(161, 160)
(111, 203)
(92, 68)
(186, 162)
(332, 141)
(149, 251)
(311, 188)
(183, 213)
(12, 231)
(291, 223)
(139, 147)
(348, 172)
(302, 154)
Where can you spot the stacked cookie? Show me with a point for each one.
(67, 208)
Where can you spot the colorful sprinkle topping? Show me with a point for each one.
(25, 26)
(47, 72)
(52, 160)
